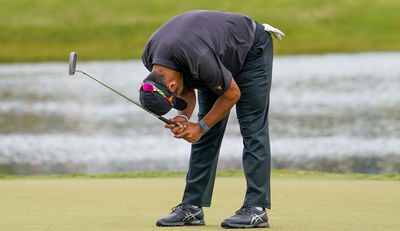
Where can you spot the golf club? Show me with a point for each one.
(72, 69)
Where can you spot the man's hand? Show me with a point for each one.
(176, 129)
(192, 132)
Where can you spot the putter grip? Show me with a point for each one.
(167, 121)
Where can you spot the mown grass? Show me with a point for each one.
(43, 30)
(298, 204)
(277, 173)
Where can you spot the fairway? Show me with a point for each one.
(314, 203)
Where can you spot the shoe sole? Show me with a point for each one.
(242, 226)
(191, 223)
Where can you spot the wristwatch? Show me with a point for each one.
(204, 126)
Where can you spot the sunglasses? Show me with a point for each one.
(151, 88)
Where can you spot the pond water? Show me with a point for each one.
(333, 112)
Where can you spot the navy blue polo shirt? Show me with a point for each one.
(208, 47)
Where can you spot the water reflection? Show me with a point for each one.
(328, 112)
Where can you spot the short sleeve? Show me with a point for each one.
(162, 54)
(214, 73)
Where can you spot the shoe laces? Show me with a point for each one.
(176, 208)
(182, 207)
(245, 210)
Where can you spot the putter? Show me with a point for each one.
(72, 69)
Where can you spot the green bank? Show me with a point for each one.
(301, 201)
(277, 173)
(47, 30)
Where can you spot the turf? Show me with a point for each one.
(47, 30)
(312, 202)
(222, 173)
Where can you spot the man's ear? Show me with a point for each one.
(172, 85)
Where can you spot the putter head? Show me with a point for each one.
(73, 56)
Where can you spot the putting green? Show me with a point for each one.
(314, 203)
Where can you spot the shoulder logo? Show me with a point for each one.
(219, 87)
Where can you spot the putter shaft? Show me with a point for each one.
(127, 98)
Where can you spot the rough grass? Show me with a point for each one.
(277, 173)
(42, 30)
(309, 202)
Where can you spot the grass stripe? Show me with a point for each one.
(224, 173)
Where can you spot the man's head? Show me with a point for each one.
(158, 93)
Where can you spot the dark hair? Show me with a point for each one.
(156, 77)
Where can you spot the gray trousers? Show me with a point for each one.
(254, 82)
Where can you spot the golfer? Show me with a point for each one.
(227, 57)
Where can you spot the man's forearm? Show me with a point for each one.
(223, 105)
(190, 97)
(220, 109)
